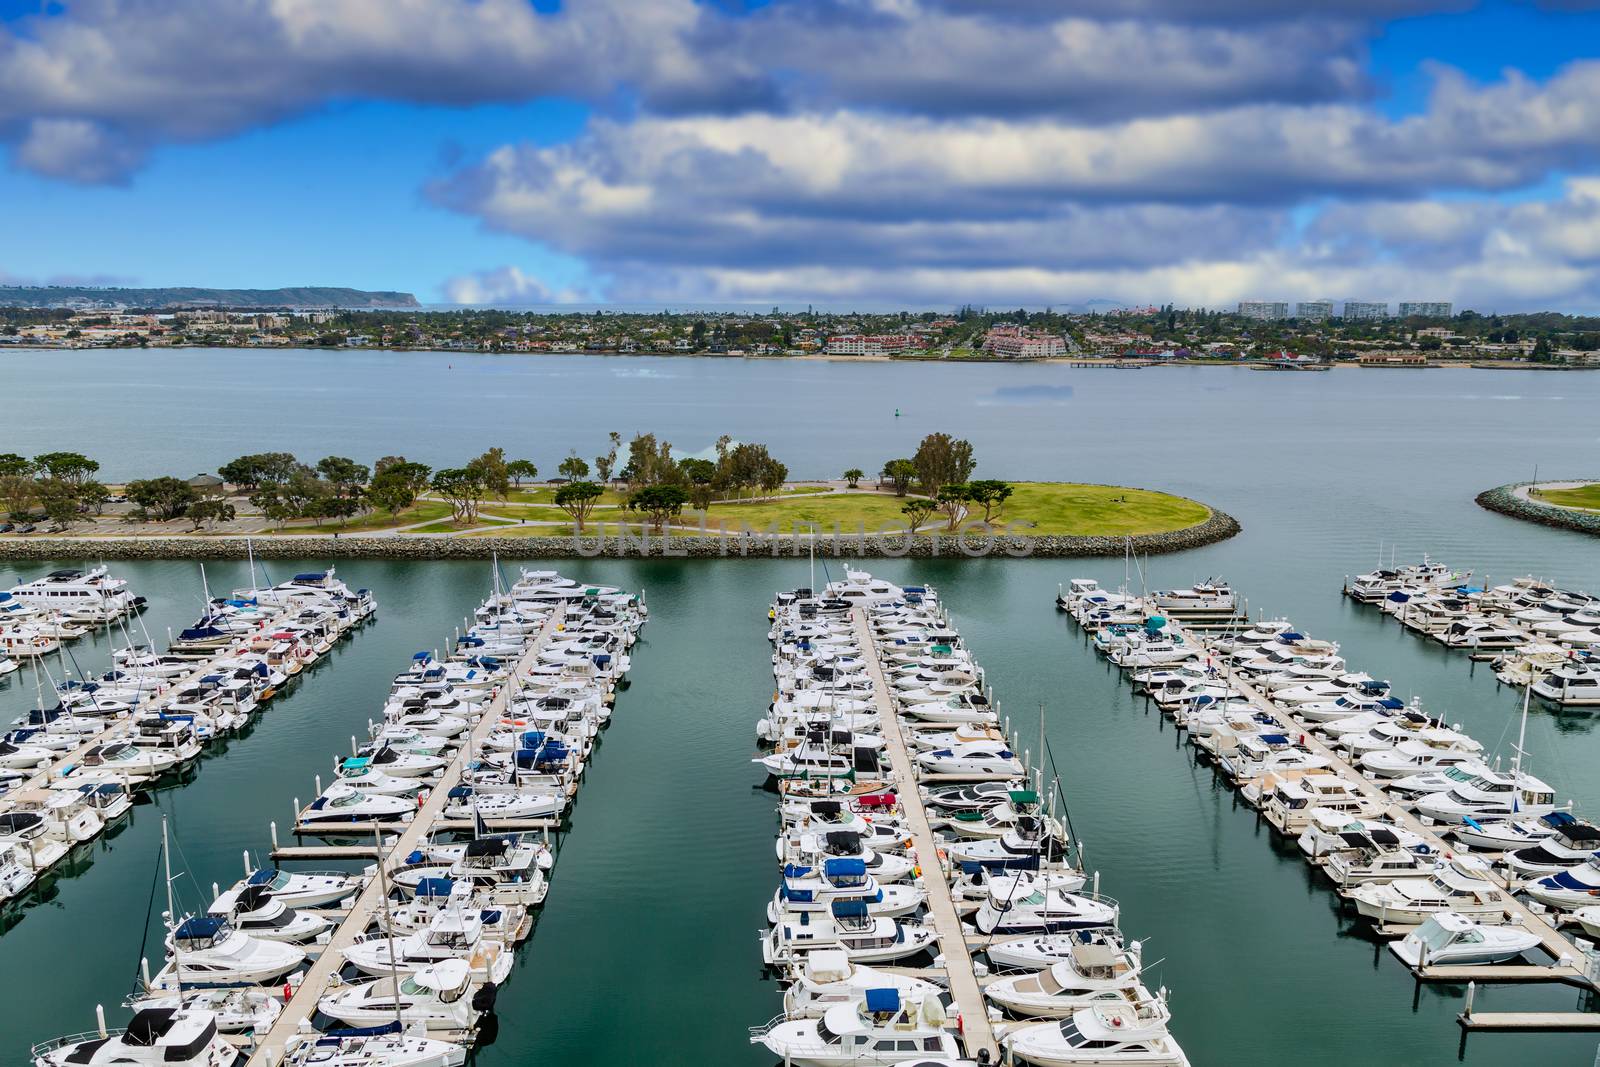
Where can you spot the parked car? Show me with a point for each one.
(27, 527)
(7, 527)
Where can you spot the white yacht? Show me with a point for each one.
(91, 595)
(438, 997)
(1092, 972)
(386, 1048)
(828, 978)
(879, 1028)
(1449, 939)
(973, 757)
(208, 949)
(310, 889)
(1101, 1036)
(237, 1011)
(1568, 889)
(848, 929)
(1460, 886)
(1212, 595)
(1573, 843)
(1573, 684)
(15, 875)
(1488, 796)
(1017, 906)
(455, 933)
(154, 1037)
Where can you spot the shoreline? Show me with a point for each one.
(966, 543)
(1512, 500)
(1091, 361)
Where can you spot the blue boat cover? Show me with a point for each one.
(1559, 818)
(850, 909)
(419, 657)
(1275, 739)
(1392, 703)
(795, 870)
(459, 791)
(200, 926)
(263, 876)
(332, 1037)
(435, 887)
(847, 867)
(315, 576)
(884, 1000)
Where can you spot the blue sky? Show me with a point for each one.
(919, 151)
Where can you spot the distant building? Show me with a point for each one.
(1428, 309)
(1019, 342)
(871, 344)
(1393, 359)
(1363, 309)
(1264, 310)
(1314, 310)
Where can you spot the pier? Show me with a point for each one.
(297, 1012)
(1564, 951)
(976, 1032)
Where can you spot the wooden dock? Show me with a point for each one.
(976, 1032)
(300, 1007)
(1563, 950)
(1571, 1021)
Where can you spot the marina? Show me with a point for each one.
(1533, 632)
(1254, 699)
(74, 763)
(893, 767)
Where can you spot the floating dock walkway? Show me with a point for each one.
(976, 1032)
(296, 1016)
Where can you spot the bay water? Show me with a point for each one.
(646, 950)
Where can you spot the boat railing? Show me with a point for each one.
(44, 1047)
(759, 1032)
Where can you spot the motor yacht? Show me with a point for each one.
(1570, 889)
(1419, 755)
(1015, 906)
(1212, 595)
(254, 910)
(1489, 796)
(388, 1047)
(848, 929)
(1333, 831)
(1449, 939)
(880, 1027)
(817, 889)
(1461, 885)
(310, 889)
(1573, 684)
(1092, 972)
(454, 933)
(1106, 1035)
(167, 1037)
(208, 950)
(1508, 834)
(973, 757)
(438, 996)
(1573, 843)
(344, 803)
(237, 1011)
(827, 978)
(15, 874)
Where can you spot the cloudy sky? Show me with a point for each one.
(847, 152)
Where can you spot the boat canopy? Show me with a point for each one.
(885, 1001)
(849, 909)
(487, 846)
(149, 1026)
(844, 867)
(435, 887)
(200, 928)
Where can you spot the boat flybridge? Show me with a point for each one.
(1573, 684)
(87, 596)
(881, 1027)
(1212, 595)
(1105, 1035)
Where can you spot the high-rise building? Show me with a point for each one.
(1363, 309)
(1314, 310)
(1265, 310)
(1429, 309)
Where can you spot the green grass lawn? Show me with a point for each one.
(422, 511)
(546, 494)
(1584, 496)
(1034, 508)
(450, 526)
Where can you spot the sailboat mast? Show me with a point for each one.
(1522, 735)
(388, 926)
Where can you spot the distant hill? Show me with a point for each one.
(301, 296)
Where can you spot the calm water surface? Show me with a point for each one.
(646, 948)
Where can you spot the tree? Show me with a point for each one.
(344, 474)
(166, 497)
(604, 465)
(397, 485)
(651, 463)
(491, 471)
(520, 469)
(941, 460)
(701, 475)
(990, 494)
(18, 493)
(74, 468)
(916, 510)
(1541, 350)
(854, 475)
(773, 475)
(900, 473)
(953, 502)
(463, 487)
(578, 500)
(95, 495)
(573, 468)
(15, 466)
(263, 468)
(659, 503)
(210, 511)
(60, 500)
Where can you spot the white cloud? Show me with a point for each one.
(505, 287)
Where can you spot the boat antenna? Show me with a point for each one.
(1522, 737)
(388, 926)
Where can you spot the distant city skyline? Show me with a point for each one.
(759, 152)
